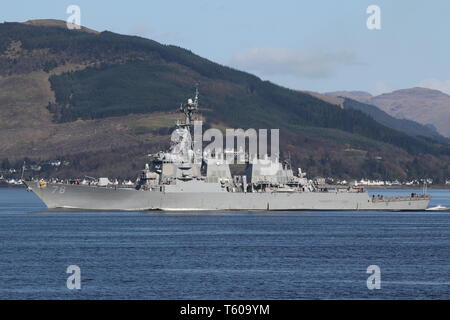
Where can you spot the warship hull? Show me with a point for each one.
(115, 198)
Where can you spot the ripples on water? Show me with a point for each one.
(232, 255)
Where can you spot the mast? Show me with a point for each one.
(189, 109)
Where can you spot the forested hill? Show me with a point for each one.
(58, 84)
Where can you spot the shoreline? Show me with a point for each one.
(439, 186)
(12, 186)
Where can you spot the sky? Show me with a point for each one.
(320, 45)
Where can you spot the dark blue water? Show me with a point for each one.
(136, 255)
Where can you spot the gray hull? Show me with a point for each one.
(103, 198)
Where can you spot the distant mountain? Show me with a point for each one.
(426, 106)
(101, 101)
(360, 96)
(407, 126)
(336, 100)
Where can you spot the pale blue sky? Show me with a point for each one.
(321, 45)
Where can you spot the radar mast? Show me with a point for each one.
(189, 109)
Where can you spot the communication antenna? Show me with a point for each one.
(23, 171)
(190, 108)
(289, 161)
(196, 96)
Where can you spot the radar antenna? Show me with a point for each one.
(190, 108)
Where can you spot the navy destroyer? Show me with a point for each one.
(174, 181)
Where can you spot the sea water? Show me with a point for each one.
(222, 255)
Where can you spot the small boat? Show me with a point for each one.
(438, 208)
